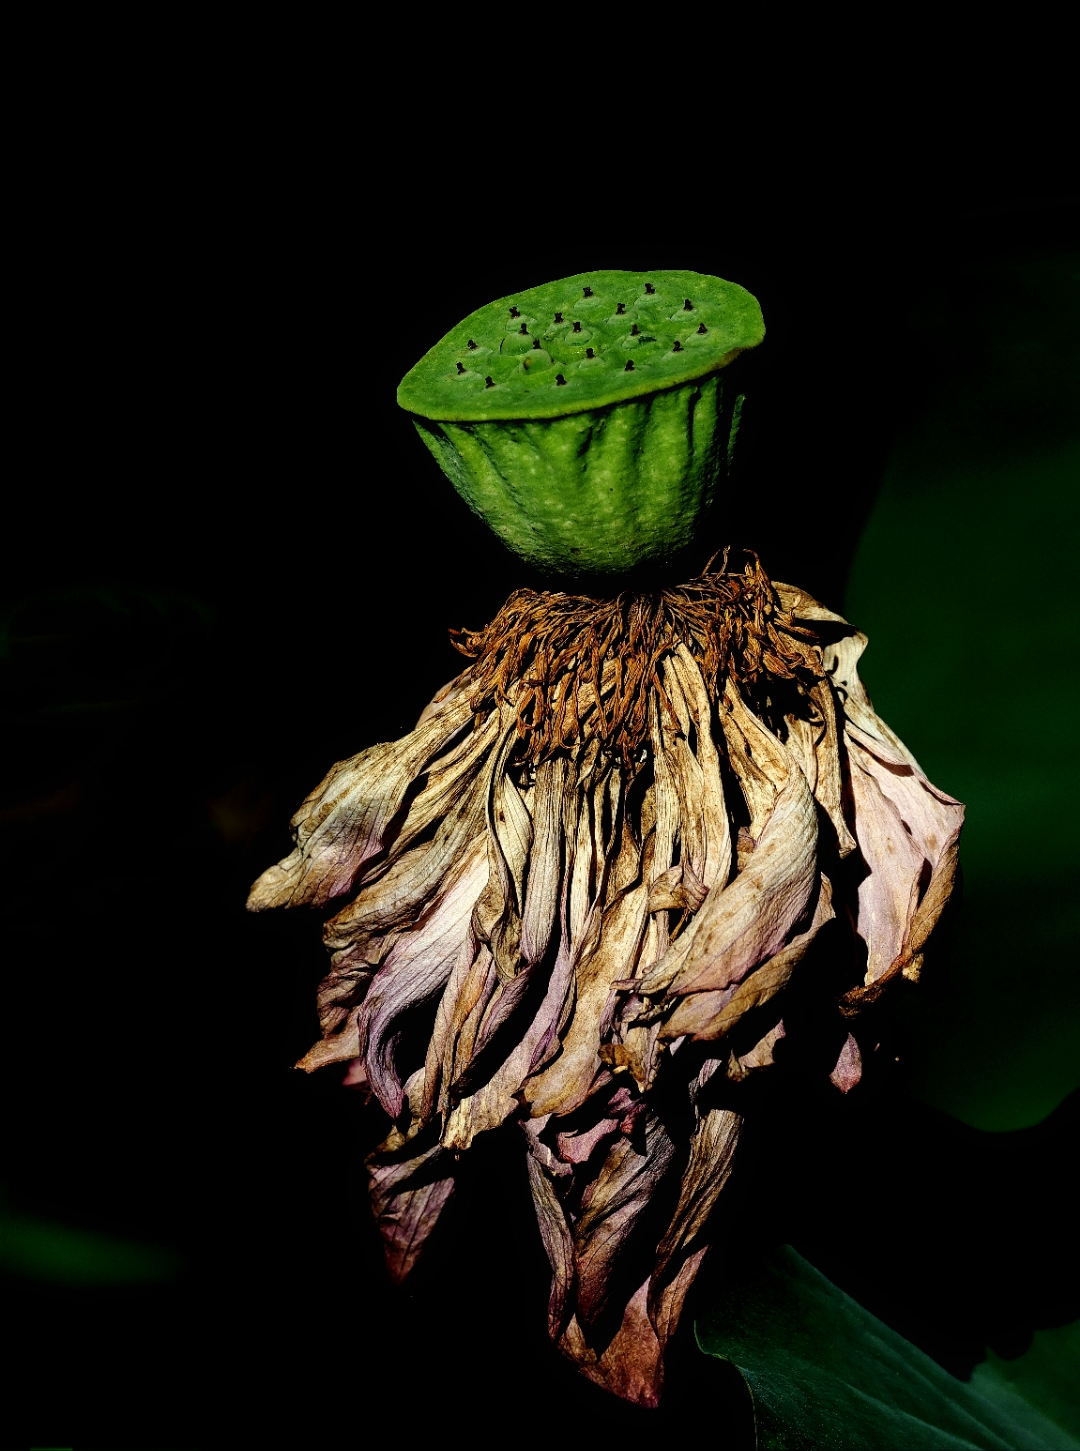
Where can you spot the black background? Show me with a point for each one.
(233, 563)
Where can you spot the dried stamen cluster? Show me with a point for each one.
(614, 861)
(580, 669)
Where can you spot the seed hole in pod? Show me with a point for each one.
(635, 331)
(489, 382)
(461, 367)
(620, 309)
(523, 330)
(688, 306)
(629, 366)
(702, 330)
(514, 312)
(589, 353)
(649, 288)
(676, 346)
(558, 317)
(586, 291)
(577, 327)
(471, 345)
(536, 342)
(560, 381)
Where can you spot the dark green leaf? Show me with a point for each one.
(825, 1373)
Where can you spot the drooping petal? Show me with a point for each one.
(749, 921)
(611, 1207)
(408, 1195)
(343, 824)
(889, 893)
(712, 1014)
(416, 968)
(712, 1151)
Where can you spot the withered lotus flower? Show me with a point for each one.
(624, 845)
(610, 851)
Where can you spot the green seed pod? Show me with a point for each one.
(590, 421)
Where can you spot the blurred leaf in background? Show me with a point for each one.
(62, 1254)
(965, 583)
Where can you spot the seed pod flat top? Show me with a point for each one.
(582, 343)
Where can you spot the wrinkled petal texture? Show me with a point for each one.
(580, 937)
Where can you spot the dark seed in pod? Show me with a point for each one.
(472, 345)
(702, 329)
(558, 317)
(461, 367)
(536, 342)
(688, 306)
(629, 366)
(523, 330)
(649, 288)
(586, 291)
(489, 383)
(514, 312)
(560, 381)
(676, 346)
(589, 353)
(577, 327)
(634, 331)
(620, 309)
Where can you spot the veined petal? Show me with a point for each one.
(416, 968)
(709, 1015)
(343, 824)
(889, 893)
(749, 921)
(712, 1150)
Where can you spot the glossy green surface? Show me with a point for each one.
(527, 342)
(598, 492)
(590, 421)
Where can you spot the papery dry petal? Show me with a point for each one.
(610, 1210)
(717, 828)
(558, 1242)
(848, 1070)
(711, 1014)
(408, 1195)
(889, 893)
(417, 968)
(748, 921)
(564, 1083)
(342, 825)
(712, 1151)
(554, 779)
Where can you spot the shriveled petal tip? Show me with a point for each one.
(848, 1070)
(276, 885)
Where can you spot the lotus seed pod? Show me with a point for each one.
(590, 421)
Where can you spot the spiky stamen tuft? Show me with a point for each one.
(577, 669)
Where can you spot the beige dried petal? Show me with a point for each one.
(717, 827)
(398, 897)
(342, 825)
(709, 1015)
(712, 1152)
(565, 1083)
(610, 1207)
(553, 781)
(748, 921)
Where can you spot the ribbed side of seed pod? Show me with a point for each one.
(598, 492)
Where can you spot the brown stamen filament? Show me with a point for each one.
(576, 669)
